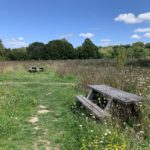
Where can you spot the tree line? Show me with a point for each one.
(62, 49)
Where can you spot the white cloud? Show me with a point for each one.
(147, 35)
(144, 16)
(142, 30)
(105, 42)
(130, 18)
(87, 35)
(21, 38)
(127, 18)
(15, 42)
(64, 36)
(135, 36)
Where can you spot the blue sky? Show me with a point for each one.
(106, 22)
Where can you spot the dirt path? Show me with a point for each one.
(40, 141)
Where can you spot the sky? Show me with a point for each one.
(105, 22)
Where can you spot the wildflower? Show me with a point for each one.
(80, 125)
(107, 130)
(141, 132)
(123, 146)
(106, 134)
(82, 114)
(93, 116)
(105, 123)
(101, 142)
(116, 147)
(124, 123)
(91, 131)
(109, 146)
(140, 94)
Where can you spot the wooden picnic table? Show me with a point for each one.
(102, 100)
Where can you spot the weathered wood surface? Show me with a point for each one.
(93, 107)
(116, 94)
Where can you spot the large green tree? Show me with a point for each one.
(36, 50)
(17, 54)
(88, 50)
(106, 52)
(2, 50)
(139, 50)
(59, 49)
(147, 47)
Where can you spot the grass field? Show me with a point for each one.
(64, 126)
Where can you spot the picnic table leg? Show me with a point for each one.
(109, 104)
(90, 95)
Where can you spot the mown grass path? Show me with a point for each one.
(21, 95)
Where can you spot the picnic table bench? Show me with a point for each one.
(36, 69)
(104, 101)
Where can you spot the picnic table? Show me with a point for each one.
(36, 69)
(105, 101)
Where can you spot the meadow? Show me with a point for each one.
(65, 125)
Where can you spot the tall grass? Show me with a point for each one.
(84, 131)
(113, 135)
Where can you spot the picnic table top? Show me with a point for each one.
(116, 94)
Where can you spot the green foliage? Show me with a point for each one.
(129, 53)
(36, 51)
(147, 47)
(62, 49)
(17, 54)
(139, 50)
(106, 52)
(59, 49)
(121, 57)
(2, 50)
(88, 50)
(80, 53)
(66, 126)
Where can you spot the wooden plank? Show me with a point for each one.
(117, 94)
(90, 94)
(93, 107)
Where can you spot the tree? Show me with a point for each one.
(88, 50)
(80, 52)
(121, 57)
(139, 50)
(2, 50)
(17, 54)
(60, 49)
(130, 53)
(106, 52)
(115, 51)
(36, 51)
(147, 47)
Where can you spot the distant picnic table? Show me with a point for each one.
(36, 69)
